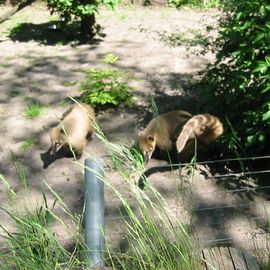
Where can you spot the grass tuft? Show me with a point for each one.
(15, 93)
(26, 144)
(110, 58)
(34, 110)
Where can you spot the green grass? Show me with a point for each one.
(34, 245)
(34, 110)
(26, 144)
(15, 93)
(5, 65)
(165, 14)
(110, 58)
(31, 243)
(123, 17)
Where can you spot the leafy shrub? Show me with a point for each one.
(105, 88)
(84, 10)
(194, 3)
(69, 8)
(238, 84)
(179, 38)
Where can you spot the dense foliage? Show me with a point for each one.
(76, 8)
(238, 84)
(84, 10)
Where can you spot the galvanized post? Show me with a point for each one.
(94, 212)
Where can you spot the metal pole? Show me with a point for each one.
(94, 212)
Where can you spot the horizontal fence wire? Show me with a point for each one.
(201, 225)
(203, 193)
(238, 174)
(219, 177)
(242, 236)
(172, 165)
(234, 190)
(251, 219)
(206, 162)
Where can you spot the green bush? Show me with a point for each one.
(69, 8)
(84, 10)
(103, 88)
(179, 38)
(194, 3)
(238, 84)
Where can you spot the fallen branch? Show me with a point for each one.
(15, 9)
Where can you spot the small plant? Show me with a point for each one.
(194, 3)
(15, 93)
(27, 143)
(70, 83)
(179, 38)
(110, 58)
(34, 110)
(122, 17)
(103, 88)
(143, 29)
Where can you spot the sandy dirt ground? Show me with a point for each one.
(34, 69)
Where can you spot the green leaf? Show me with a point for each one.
(261, 67)
(262, 136)
(266, 89)
(259, 37)
(251, 140)
(266, 116)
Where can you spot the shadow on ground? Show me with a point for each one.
(50, 34)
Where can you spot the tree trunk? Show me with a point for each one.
(8, 3)
(88, 22)
(87, 26)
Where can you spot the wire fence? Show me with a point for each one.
(241, 206)
(258, 223)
